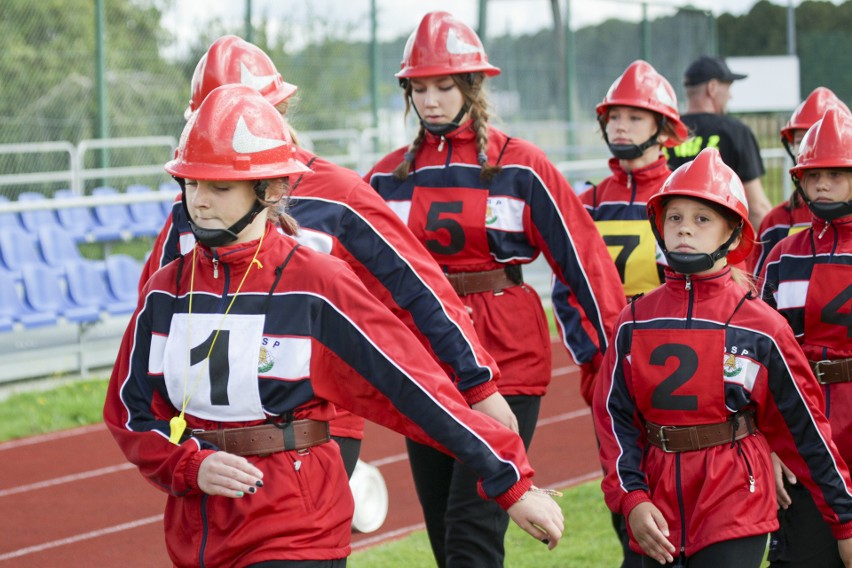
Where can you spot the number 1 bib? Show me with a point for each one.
(225, 386)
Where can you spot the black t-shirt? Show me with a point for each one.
(735, 142)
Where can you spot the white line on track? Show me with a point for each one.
(77, 538)
(66, 479)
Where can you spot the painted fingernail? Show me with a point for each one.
(240, 493)
(252, 489)
(545, 541)
(259, 483)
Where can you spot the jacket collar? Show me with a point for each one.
(463, 133)
(653, 171)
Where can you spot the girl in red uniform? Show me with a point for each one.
(484, 204)
(638, 117)
(701, 380)
(792, 215)
(341, 215)
(238, 352)
(808, 279)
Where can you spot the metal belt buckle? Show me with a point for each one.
(818, 372)
(663, 439)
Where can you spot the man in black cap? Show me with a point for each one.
(708, 84)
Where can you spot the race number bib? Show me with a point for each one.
(677, 375)
(450, 222)
(223, 386)
(828, 306)
(634, 250)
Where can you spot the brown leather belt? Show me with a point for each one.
(831, 372)
(465, 283)
(267, 438)
(691, 438)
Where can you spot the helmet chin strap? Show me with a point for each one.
(824, 210)
(694, 262)
(213, 238)
(632, 151)
(446, 128)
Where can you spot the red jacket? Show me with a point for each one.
(807, 279)
(781, 221)
(691, 355)
(526, 210)
(340, 215)
(295, 345)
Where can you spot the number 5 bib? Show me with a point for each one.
(677, 375)
(450, 221)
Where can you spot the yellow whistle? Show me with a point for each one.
(177, 425)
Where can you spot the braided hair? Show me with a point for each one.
(471, 87)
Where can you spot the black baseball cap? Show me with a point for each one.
(705, 68)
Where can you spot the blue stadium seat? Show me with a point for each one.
(13, 309)
(80, 221)
(115, 217)
(32, 220)
(9, 219)
(173, 189)
(123, 273)
(17, 249)
(87, 286)
(147, 216)
(43, 292)
(57, 245)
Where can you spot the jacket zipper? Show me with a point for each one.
(215, 266)
(204, 531)
(441, 144)
(751, 482)
(681, 509)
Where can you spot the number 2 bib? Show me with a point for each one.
(677, 375)
(450, 222)
(828, 306)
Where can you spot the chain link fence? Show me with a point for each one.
(51, 90)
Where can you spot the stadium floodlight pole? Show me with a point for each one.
(791, 28)
(100, 80)
(249, 31)
(374, 72)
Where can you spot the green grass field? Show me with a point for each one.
(588, 541)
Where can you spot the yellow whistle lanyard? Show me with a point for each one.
(177, 425)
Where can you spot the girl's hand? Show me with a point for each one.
(540, 516)
(845, 548)
(497, 408)
(651, 531)
(781, 472)
(228, 475)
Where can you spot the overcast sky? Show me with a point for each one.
(400, 17)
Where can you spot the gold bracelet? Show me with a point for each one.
(534, 489)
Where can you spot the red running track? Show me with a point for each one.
(71, 499)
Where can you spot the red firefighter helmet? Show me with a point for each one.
(231, 59)
(708, 178)
(236, 134)
(810, 110)
(826, 144)
(443, 45)
(642, 87)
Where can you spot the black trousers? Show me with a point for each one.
(350, 449)
(740, 553)
(339, 563)
(630, 559)
(464, 529)
(804, 538)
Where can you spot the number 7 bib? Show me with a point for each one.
(677, 375)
